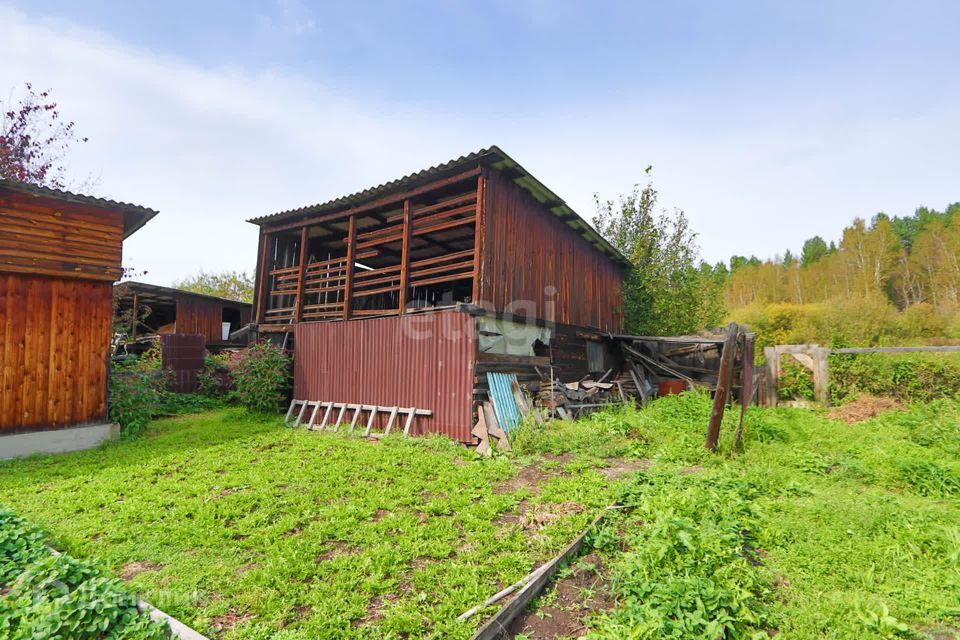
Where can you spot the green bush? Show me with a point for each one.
(43, 595)
(134, 398)
(912, 377)
(262, 377)
(210, 380)
(796, 381)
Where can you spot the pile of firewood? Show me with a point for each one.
(568, 400)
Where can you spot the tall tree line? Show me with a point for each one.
(905, 260)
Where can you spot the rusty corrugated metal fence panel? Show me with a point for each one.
(183, 355)
(424, 361)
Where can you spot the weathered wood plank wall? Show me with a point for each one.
(59, 239)
(200, 316)
(532, 258)
(53, 349)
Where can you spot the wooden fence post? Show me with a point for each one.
(771, 375)
(724, 383)
(822, 392)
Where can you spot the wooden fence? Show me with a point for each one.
(816, 359)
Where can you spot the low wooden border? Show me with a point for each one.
(496, 626)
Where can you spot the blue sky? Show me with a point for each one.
(767, 122)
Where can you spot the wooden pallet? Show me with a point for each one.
(341, 410)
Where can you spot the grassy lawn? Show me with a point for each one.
(244, 528)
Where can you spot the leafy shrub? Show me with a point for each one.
(796, 381)
(918, 377)
(134, 398)
(210, 380)
(43, 595)
(262, 377)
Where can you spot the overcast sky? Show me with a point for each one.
(767, 122)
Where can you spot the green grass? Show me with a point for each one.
(817, 529)
(290, 534)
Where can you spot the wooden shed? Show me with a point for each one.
(162, 310)
(407, 293)
(60, 254)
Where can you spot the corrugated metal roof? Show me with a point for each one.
(134, 215)
(492, 156)
(170, 294)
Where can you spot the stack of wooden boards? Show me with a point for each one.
(503, 412)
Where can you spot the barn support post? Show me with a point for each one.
(477, 239)
(351, 251)
(405, 255)
(301, 275)
(263, 273)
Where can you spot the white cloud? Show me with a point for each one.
(208, 148)
(757, 168)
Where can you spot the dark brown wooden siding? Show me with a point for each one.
(533, 264)
(200, 316)
(42, 236)
(54, 342)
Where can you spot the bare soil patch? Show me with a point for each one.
(230, 619)
(131, 570)
(864, 408)
(338, 548)
(567, 604)
(619, 467)
(527, 478)
(687, 471)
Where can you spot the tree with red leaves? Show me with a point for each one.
(34, 140)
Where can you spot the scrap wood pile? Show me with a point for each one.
(567, 400)
(645, 366)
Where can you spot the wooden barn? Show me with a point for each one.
(60, 254)
(165, 310)
(407, 294)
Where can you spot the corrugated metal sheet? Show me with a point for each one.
(504, 404)
(183, 356)
(423, 361)
(493, 157)
(533, 266)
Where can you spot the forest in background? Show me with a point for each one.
(892, 280)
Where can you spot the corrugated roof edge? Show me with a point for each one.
(492, 156)
(135, 216)
(145, 287)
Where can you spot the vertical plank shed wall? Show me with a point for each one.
(527, 249)
(53, 348)
(423, 361)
